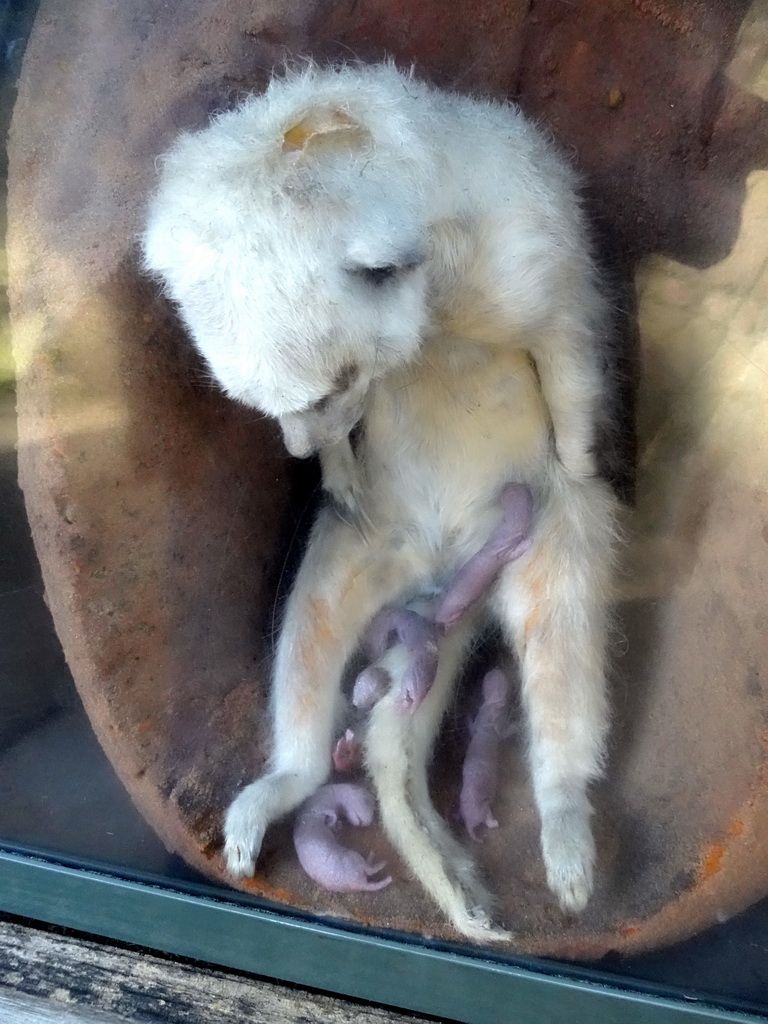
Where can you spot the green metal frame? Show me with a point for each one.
(205, 925)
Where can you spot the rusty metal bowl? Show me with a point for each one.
(162, 515)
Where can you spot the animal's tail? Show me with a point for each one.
(397, 748)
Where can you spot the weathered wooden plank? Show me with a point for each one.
(48, 978)
(16, 1008)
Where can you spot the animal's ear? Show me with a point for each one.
(326, 126)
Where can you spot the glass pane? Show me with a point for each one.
(169, 522)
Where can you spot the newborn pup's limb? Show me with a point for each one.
(321, 854)
(347, 754)
(480, 773)
(404, 643)
(509, 541)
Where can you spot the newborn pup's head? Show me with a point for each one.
(291, 233)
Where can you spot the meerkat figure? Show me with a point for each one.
(354, 247)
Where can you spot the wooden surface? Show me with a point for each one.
(49, 978)
(21, 1009)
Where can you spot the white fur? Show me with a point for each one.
(263, 242)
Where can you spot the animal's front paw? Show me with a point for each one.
(347, 502)
(243, 834)
(239, 857)
(569, 858)
(342, 484)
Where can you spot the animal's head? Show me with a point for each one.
(292, 235)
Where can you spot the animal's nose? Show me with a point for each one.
(297, 439)
(299, 450)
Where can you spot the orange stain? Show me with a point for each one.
(736, 827)
(630, 929)
(531, 622)
(549, 716)
(712, 861)
(317, 632)
(308, 653)
(251, 884)
(320, 621)
(534, 579)
(263, 888)
(306, 706)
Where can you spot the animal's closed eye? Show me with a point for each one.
(378, 276)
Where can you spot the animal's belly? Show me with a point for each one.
(443, 441)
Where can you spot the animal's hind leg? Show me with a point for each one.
(553, 605)
(398, 746)
(343, 581)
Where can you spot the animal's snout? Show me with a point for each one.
(301, 442)
(303, 452)
(306, 433)
(298, 443)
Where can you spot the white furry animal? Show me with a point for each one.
(355, 246)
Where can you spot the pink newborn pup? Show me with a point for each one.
(509, 541)
(321, 854)
(403, 642)
(480, 774)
